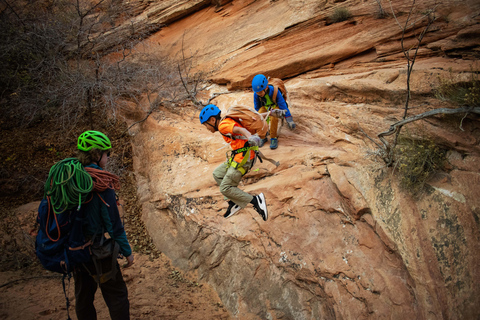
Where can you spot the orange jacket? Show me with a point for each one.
(226, 127)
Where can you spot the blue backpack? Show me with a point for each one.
(60, 244)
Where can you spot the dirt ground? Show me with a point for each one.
(27, 291)
(156, 291)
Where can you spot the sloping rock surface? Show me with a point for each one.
(342, 240)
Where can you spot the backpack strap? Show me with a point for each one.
(275, 92)
(65, 292)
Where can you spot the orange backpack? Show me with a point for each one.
(249, 119)
(278, 84)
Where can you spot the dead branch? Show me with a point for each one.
(395, 128)
(381, 12)
(139, 121)
(430, 16)
(411, 60)
(214, 96)
(191, 95)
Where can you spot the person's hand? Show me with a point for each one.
(290, 123)
(254, 140)
(129, 261)
(278, 113)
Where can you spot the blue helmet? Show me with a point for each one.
(259, 83)
(210, 110)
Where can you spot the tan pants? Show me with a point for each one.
(273, 123)
(228, 179)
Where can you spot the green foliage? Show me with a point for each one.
(416, 161)
(340, 14)
(472, 97)
(459, 92)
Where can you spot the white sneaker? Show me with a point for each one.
(260, 206)
(232, 209)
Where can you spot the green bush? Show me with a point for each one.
(460, 93)
(340, 14)
(415, 162)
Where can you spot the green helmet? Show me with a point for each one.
(93, 139)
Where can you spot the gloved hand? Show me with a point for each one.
(290, 123)
(254, 140)
(278, 113)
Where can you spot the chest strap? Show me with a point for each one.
(269, 103)
(246, 156)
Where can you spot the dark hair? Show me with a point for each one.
(88, 157)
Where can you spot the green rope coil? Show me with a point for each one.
(68, 185)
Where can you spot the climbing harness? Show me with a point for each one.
(246, 156)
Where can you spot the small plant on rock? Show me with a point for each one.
(340, 14)
(459, 92)
(416, 161)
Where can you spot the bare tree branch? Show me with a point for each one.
(395, 128)
(430, 16)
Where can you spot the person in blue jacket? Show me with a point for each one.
(101, 216)
(263, 102)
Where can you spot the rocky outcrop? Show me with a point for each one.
(141, 18)
(343, 239)
(289, 38)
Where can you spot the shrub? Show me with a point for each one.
(459, 92)
(51, 68)
(416, 161)
(340, 14)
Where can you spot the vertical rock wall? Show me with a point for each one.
(343, 240)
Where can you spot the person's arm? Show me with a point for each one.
(256, 101)
(253, 139)
(242, 131)
(282, 104)
(265, 114)
(113, 223)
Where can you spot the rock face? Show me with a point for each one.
(343, 240)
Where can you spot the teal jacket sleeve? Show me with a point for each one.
(113, 223)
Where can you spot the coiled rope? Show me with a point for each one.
(68, 185)
(103, 180)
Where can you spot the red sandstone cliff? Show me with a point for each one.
(343, 240)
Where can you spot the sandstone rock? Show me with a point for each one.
(343, 240)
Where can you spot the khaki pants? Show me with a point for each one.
(273, 123)
(228, 179)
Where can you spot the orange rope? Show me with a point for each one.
(48, 226)
(103, 180)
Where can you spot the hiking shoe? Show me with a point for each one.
(263, 142)
(273, 143)
(260, 205)
(232, 209)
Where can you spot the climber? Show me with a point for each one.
(102, 216)
(228, 174)
(263, 101)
